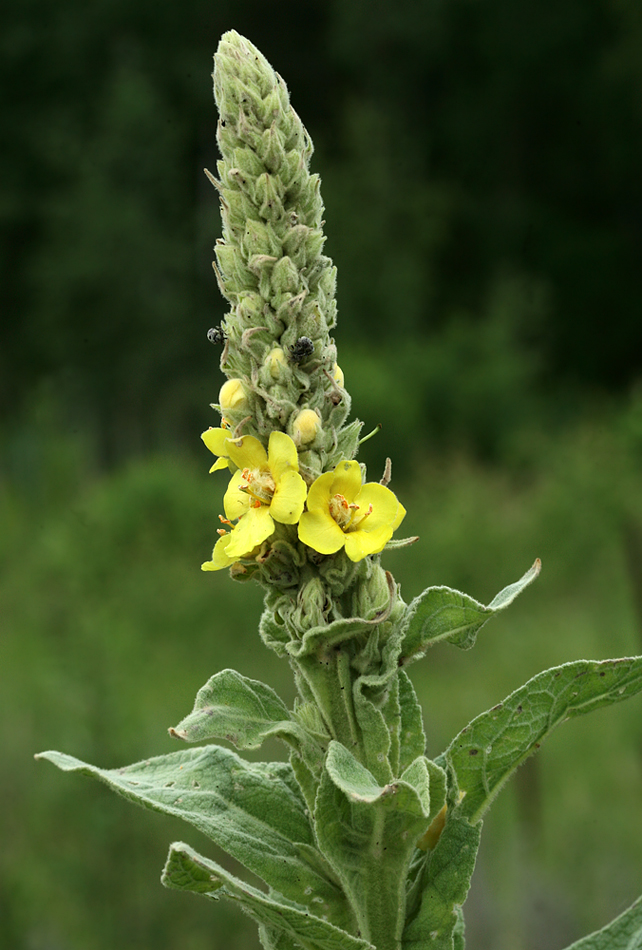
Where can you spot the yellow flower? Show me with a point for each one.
(215, 440)
(342, 511)
(337, 375)
(266, 488)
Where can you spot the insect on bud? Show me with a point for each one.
(302, 349)
(216, 335)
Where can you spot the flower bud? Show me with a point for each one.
(337, 375)
(305, 427)
(232, 395)
(275, 361)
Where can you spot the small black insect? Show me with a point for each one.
(216, 335)
(303, 348)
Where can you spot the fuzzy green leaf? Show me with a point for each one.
(412, 738)
(376, 739)
(459, 933)
(254, 811)
(484, 754)
(623, 933)
(368, 833)
(233, 707)
(440, 613)
(410, 793)
(444, 887)
(186, 870)
(328, 635)
(276, 939)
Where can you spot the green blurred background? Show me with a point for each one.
(481, 174)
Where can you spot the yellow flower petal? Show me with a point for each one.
(235, 501)
(247, 452)
(360, 544)
(384, 507)
(220, 558)
(320, 492)
(282, 455)
(401, 514)
(218, 464)
(253, 528)
(319, 531)
(289, 498)
(215, 440)
(347, 480)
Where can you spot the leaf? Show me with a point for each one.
(254, 811)
(440, 613)
(444, 888)
(376, 739)
(276, 939)
(377, 709)
(492, 746)
(186, 870)
(274, 634)
(359, 785)
(438, 788)
(412, 738)
(623, 933)
(241, 710)
(459, 933)
(368, 833)
(329, 635)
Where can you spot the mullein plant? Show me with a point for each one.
(362, 841)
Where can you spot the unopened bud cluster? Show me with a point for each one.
(278, 355)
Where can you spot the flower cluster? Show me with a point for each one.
(337, 511)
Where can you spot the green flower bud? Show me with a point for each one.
(276, 361)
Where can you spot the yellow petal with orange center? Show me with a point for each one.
(319, 531)
(235, 501)
(282, 455)
(347, 480)
(253, 528)
(247, 452)
(289, 497)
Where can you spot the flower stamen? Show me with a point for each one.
(259, 486)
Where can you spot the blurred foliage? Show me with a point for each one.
(480, 168)
(480, 165)
(109, 629)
